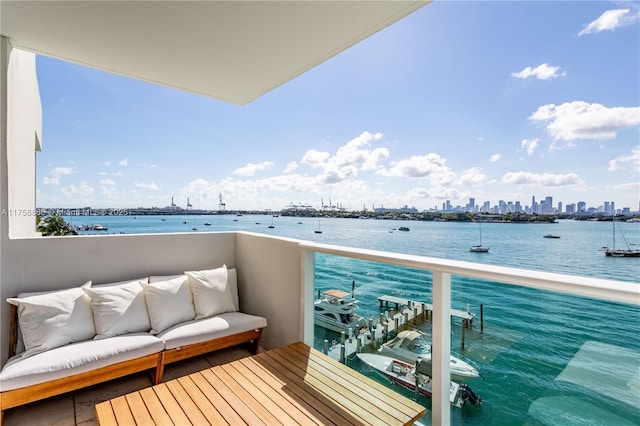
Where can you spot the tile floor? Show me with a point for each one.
(77, 408)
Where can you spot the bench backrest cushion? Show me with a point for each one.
(119, 308)
(169, 302)
(52, 319)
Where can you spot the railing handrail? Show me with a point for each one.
(616, 291)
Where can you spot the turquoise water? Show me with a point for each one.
(547, 358)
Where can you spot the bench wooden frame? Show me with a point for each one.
(154, 363)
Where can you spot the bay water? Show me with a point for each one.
(546, 358)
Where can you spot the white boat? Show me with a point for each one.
(335, 310)
(404, 374)
(614, 252)
(479, 248)
(410, 346)
(98, 227)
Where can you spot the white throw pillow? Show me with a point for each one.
(54, 318)
(170, 302)
(232, 281)
(211, 292)
(119, 309)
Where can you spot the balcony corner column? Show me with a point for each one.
(441, 348)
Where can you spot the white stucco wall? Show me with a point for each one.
(24, 136)
(269, 277)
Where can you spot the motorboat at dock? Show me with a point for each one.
(335, 310)
(410, 346)
(406, 375)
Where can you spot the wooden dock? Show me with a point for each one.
(404, 314)
(401, 303)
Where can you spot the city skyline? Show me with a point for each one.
(458, 100)
(544, 206)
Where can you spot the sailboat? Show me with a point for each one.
(318, 231)
(479, 248)
(613, 252)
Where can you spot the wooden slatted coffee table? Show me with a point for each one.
(294, 384)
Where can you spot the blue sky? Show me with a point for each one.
(492, 100)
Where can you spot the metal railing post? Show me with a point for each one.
(306, 304)
(441, 348)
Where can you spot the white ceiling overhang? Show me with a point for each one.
(230, 50)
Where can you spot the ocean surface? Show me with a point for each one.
(546, 358)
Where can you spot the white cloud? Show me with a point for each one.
(473, 176)
(71, 191)
(352, 153)
(421, 166)
(107, 163)
(315, 158)
(110, 193)
(541, 72)
(251, 168)
(123, 162)
(530, 145)
(620, 163)
(437, 192)
(107, 182)
(56, 173)
(542, 180)
(582, 120)
(151, 185)
(51, 180)
(103, 174)
(350, 158)
(495, 157)
(609, 21)
(290, 167)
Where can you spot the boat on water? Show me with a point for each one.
(207, 224)
(614, 252)
(551, 236)
(479, 248)
(98, 227)
(411, 346)
(406, 375)
(336, 310)
(403, 228)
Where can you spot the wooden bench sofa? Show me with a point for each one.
(84, 363)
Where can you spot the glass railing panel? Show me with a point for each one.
(545, 357)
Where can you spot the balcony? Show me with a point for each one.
(549, 340)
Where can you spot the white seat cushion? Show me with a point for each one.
(76, 358)
(204, 329)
